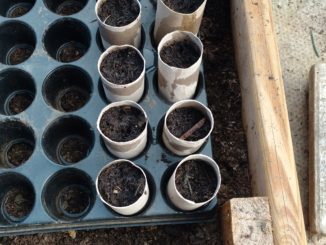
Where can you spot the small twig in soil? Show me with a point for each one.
(186, 181)
(137, 190)
(313, 43)
(194, 128)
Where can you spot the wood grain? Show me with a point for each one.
(247, 221)
(317, 149)
(265, 118)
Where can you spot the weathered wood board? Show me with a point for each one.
(317, 149)
(265, 118)
(247, 221)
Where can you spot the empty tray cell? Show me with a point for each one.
(69, 195)
(17, 42)
(17, 143)
(65, 7)
(15, 8)
(68, 140)
(68, 88)
(17, 91)
(67, 40)
(17, 197)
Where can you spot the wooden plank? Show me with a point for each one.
(265, 118)
(247, 221)
(317, 149)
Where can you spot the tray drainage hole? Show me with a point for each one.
(69, 195)
(67, 40)
(68, 140)
(65, 7)
(14, 9)
(67, 89)
(17, 143)
(17, 42)
(17, 198)
(17, 91)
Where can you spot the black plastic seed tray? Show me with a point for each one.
(44, 125)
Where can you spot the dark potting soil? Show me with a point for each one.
(181, 120)
(121, 184)
(183, 6)
(196, 180)
(19, 55)
(74, 199)
(19, 11)
(19, 153)
(181, 54)
(19, 103)
(122, 66)
(69, 7)
(73, 150)
(18, 202)
(118, 12)
(72, 99)
(123, 123)
(71, 51)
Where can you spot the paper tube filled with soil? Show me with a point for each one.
(179, 60)
(122, 71)
(123, 126)
(123, 186)
(119, 22)
(187, 125)
(182, 15)
(194, 183)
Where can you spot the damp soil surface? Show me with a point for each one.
(18, 202)
(118, 12)
(188, 123)
(123, 123)
(183, 6)
(121, 184)
(19, 11)
(19, 103)
(228, 144)
(72, 99)
(71, 51)
(74, 199)
(73, 150)
(196, 180)
(182, 54)
(19, 153)
(69, 7)
(122, 66)
(19, 55)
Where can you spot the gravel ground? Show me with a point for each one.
(229, 148)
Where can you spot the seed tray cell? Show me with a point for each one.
(47, 124)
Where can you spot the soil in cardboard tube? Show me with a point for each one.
(18, 202)
(19, 153)
(181, 120)
(183, 6)
(74, 199)
(123, 123)
(182, 53)
(118, 12)
(122, 66)
(19, 103)
(196, 180)
(121, 184)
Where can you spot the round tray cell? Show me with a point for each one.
(17, 143)
(69, 195)
(17, 42)
(15, 8)
(68, 88)
(17, 91)
(17, 198)
(68, 140)
(67, 40)
(65, 7)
